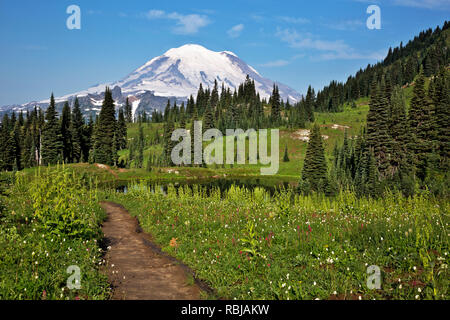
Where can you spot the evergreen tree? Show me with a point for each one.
(128, 112)
(52, 140)
(66, 126)
(121, 132)
(441, 100)
(104, 131)
(168, 144)
(28, 150)
(208, 118)
(140, 146)
(315, 166)
(77, 132)
(276, 105)
(309, 104)
(18, 146)
(401, 160)
(420, 123)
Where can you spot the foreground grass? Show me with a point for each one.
(46, 225)
(250, 246)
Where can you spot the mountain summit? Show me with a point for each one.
(179, 72)
(175, 75)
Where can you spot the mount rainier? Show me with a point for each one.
(175, 75)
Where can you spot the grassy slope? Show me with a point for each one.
(353, 118)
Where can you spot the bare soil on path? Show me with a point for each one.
(136, 268)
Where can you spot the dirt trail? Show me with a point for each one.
(136, 268)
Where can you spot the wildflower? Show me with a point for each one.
(173, 242)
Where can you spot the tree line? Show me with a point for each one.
(397, 149)
(402, 64)
(43, 138)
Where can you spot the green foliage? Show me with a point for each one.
(52, 140)
(319, 248)
(63, 205)
(34, 252)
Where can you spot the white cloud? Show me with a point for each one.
(332, 50)
(346, 25)
(282, 62)
(306, 41)
(427, 4)
(185, 24)
(235, 31)
(276, 63)
(294, 20)
(154, 14)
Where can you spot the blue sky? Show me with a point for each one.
(294, 42)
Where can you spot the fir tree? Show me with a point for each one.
(315, 166)
(208, 118)
(66, 126)
(128, 112)
(52, 140)
(421, 125)
(104, 131)
(276, 105)
(401, 160)
(77, 132)
(121, 133)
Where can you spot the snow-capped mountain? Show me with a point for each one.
(175, 75)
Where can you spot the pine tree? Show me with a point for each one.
(66, 125)
(77, 131)
(140, 146)
(401, 160)
(52, 140)
(420, 123)
(28, 150)
(128, 112)
(208, 118)
(315, 166)
(7, 150)
(309, 104)
(18, 146)
(441, 100)
(121, 132)
(276, 105)
(104, 131)
(168, 144)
